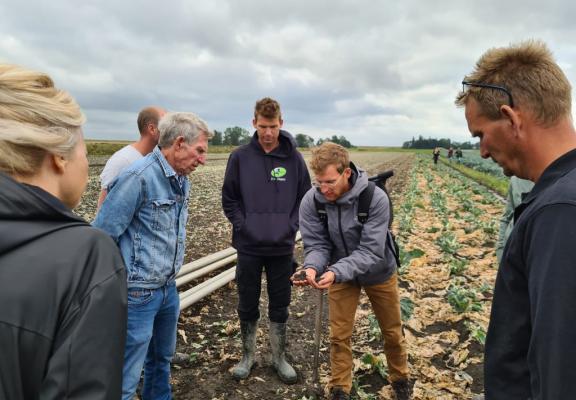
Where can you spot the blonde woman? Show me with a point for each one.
(62, 282)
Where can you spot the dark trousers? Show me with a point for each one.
(249, 281)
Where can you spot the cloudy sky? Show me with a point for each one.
(375, 71)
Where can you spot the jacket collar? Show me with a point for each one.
(166, 168)
(559, 167)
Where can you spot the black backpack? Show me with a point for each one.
(364, 201)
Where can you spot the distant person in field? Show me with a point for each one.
(263, 185)
(145, 212)
(148, 126)
(436, 155)
(450, 154)
(517, 189)
(62, 282)
(349, 256)
(459, 155)
(518, 103)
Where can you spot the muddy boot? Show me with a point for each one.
(278, 343)
(402, 389)
(248, 332)
(337, 393)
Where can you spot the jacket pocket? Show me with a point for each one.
(163, 214)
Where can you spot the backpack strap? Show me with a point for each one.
(393, 245)
(364, 201)
(363, 212)
(321, 211)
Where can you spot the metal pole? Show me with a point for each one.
(317, 336)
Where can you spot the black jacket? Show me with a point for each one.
(63, 301)
(530, 349)
(261, 196)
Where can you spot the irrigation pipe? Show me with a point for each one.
(198, 292)
(203, 266)
(199, 272)
(205, 261)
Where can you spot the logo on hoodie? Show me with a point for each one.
(278, 173)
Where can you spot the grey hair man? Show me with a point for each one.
(145, 212)
(518, 103)
(147, 122)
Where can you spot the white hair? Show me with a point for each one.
(185, 124)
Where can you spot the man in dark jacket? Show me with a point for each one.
(264, 183)
(518, 102)
(349, 255)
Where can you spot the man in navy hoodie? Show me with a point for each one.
(264, 183)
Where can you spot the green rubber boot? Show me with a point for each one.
(248, 333)
(278, 343)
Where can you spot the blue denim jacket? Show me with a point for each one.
(145, 212)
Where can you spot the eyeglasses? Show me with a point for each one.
(488, 86)
(329, 184)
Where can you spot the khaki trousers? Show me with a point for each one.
(343, 301)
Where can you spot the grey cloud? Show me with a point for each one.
(379, 72)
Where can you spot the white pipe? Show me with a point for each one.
(182, 279)
(205, 265)
(204, 284)
(204, 261)
(205, 288)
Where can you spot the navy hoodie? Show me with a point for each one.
(261, 196)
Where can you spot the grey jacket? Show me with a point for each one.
(517, 188)
(353, 251)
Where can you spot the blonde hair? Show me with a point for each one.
(329, 153)
(36, 119)
(528, 71)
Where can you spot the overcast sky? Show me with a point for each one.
(377, 72)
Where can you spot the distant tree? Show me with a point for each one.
(236, 136)
(430, 143)
(216, 139)
(341, 140)
(303, 140)
(344, 142)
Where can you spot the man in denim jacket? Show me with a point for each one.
(145, 212)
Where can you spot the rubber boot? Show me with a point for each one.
(278, 343)
(248, 333)
(402, 389)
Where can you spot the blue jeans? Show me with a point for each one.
(151, 341)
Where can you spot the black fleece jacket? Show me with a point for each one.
(63, 301)
(261, 196)
(530, 349)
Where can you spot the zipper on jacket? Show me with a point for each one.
(341, 232)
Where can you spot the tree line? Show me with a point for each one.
(430, 143)
(236, 136)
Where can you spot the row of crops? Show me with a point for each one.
(472, 159)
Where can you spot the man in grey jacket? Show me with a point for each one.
(350, 255)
